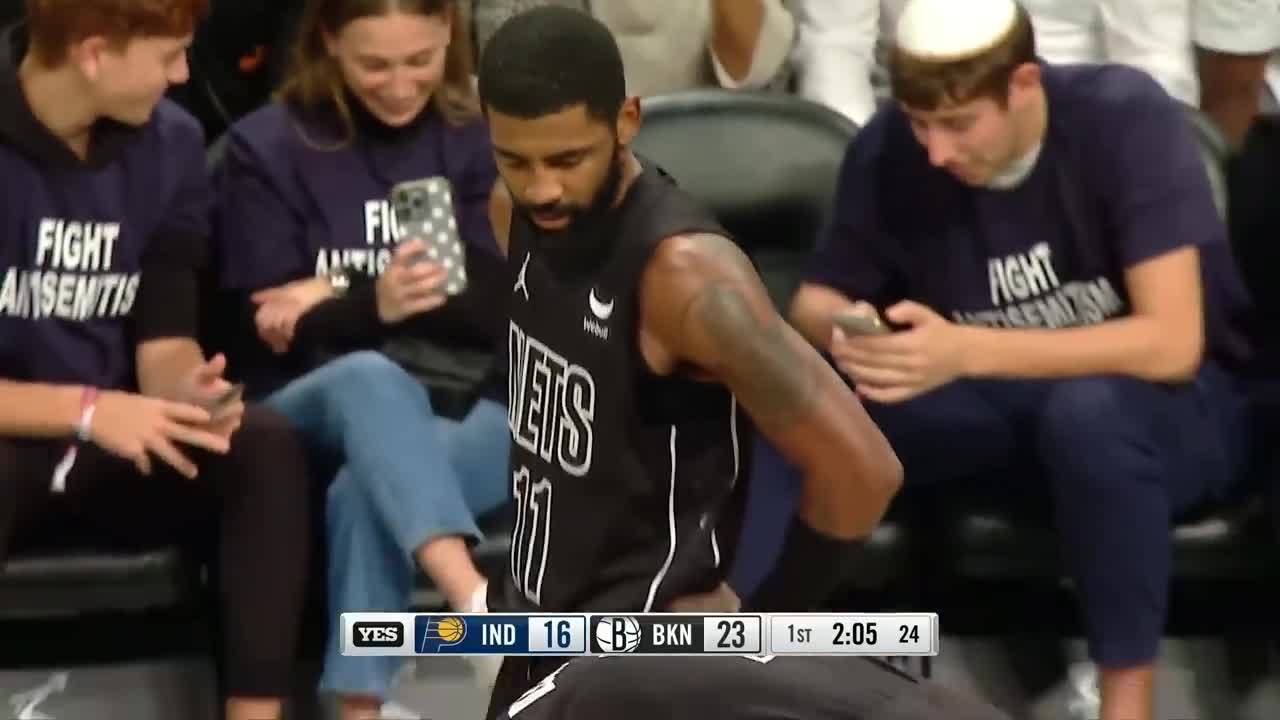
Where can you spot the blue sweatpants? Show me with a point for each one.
(1120, 459)
(406, 476)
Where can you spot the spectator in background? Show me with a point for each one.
(108, 408)
(1151, 35)
(1043, 243)
(1235, 41)
(236, 59)
(673, 45)
(837, 52)
(838, 63)
(489, 15)
(379, 92)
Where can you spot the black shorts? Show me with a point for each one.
(737, 688)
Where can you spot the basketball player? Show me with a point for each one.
(638, 331)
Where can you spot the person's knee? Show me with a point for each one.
(346, 501)
(366, 371)
(268, 449)
(1087, 410)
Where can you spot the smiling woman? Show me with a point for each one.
(394, 63)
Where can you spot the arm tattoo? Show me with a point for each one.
(772, 373)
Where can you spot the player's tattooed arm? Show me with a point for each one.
(703, 303)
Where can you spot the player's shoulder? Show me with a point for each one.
(698, 255)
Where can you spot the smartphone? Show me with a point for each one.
(229, 398)
(423, 210)
(856, 324)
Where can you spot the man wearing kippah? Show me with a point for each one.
(1027, 280)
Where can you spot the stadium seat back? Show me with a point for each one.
(766, 165)
(1214, 151)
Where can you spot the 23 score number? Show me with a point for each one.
(733, 634)
(854, 633)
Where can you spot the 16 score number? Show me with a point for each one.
(559, 635)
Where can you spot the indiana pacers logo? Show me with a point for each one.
(443, 633)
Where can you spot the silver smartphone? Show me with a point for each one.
(857, 324)
(423, 210)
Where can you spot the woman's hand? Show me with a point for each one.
(280, 308)
(410, 285)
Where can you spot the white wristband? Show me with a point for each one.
(85, 426)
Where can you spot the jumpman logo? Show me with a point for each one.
(521, 283)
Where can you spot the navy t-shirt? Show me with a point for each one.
(1119, 180)
(296, 198)
(75, 236)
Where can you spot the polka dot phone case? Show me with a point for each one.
(423, 210)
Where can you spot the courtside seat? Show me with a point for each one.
(767, 165)
(988, 539)
(55, 583)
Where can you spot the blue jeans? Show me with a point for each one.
(406, 476)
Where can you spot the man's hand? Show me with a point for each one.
(899, 366)
(280, 308)
(410, 286)
(135, 427)
(721, 600)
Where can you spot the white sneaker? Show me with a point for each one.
(1085, 701)
(479, 599)
(486, 667)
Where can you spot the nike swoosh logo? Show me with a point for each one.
(599, 309)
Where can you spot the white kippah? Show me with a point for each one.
(953, 29)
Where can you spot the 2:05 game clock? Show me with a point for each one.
(854, 634)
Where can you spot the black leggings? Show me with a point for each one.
(248, 511)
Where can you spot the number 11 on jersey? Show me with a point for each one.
(531, 537)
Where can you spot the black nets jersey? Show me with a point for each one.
(619, 475)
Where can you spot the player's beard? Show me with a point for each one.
(588, 237)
